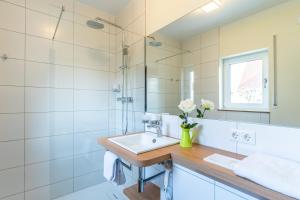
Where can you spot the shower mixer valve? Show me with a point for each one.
(125, 99)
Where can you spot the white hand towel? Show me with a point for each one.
(119, 175)
(109, 163)
(272, 172)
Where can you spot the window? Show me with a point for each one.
(245, 82)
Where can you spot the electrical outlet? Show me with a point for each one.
(235, 135)
(242, 136)
(247, 137)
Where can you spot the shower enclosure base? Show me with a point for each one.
(103, 191)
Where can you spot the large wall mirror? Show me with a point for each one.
(242, 55)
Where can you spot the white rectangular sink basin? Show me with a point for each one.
(143, 142)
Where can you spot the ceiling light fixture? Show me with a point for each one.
(211, 6)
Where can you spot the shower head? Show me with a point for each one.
(94, 24)
(154, 42)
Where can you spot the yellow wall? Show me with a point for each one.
(255, 32)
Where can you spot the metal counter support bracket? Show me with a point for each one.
(142, 180)
(125, 165)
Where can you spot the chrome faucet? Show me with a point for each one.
(155, 124)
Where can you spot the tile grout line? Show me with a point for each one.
(25, 55)
(73, 165)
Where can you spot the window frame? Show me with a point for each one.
(225, 72)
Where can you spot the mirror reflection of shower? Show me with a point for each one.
(99, 23)
(153, 42)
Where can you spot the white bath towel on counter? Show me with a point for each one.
(272, 172)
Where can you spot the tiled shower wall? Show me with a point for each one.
(56, 98)
(164, 75)
(132, 18)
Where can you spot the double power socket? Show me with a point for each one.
(242, 136)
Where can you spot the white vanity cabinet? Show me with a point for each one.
(189, 185)
(224, 192)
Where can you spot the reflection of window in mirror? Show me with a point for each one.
(188, 83)
(245, 82)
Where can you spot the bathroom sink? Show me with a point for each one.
(143, 142)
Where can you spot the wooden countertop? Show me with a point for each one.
(192, 158)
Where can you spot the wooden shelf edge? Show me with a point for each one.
(151, 192)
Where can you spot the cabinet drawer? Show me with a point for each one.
(224, 192)
(189, 187)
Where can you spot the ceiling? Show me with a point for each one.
(231, 10)
(110, 6)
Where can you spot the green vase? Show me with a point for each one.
(186, 140)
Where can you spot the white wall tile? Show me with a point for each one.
(61, 99)
(16, 197)
(91, 79)
(88, 141)
(51, 192)
(87, 163)
(37, 125)
(12, 44)
(46, 173)
(45, 50)
(171, 126)
(206, 85)
(215, 133)
(209, 69)
(210, 53)
(39, 24)
(37, 49)
(43, 149)
(52, 7)
(37, 74)
(15, 21)
(91, 100)
(11, 181)
(48, 75)
(88, 180)
(137, 76)
(91, 121)
(17, 2)
(46, 124)
(12, 99)
(275, 140)
(61, 53)
(12, 153)
(210, 38)
(138, 99)
(12, 72)
(12, 126)
(65, 31)
(192, 44)
(37, 100)
(45, 100)
(93, 38)
(91, 58)
(61, 76)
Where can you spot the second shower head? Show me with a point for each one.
(153, 42)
